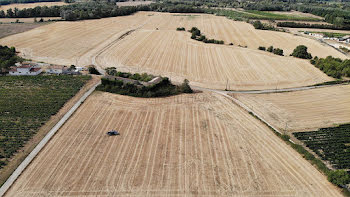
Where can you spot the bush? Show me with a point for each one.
(262, 48)
(339, 177)
(180, 29)
(258, 25)
(301, 52)
(278, 51)
(270, 49)
(93, 70)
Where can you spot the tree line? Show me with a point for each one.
(307, 25)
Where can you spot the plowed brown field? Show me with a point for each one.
(302, 110)
(155, 46)
(186, 145)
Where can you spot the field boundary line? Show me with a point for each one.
(43, 142)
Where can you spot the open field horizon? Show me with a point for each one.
(196, 144)
(148, 42)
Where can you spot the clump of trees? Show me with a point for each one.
(334, 67)
(8, 58)
(339, 177)
(196, 35)
(140, 77)
(276, 51)
(301, 52)
(93, 70)
(262, 26)
(180, 29)
(161, 89)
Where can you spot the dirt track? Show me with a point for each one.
(199, 144)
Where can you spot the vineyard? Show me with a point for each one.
(331, 144)
(26, 103)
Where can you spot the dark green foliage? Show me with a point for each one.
(339, 177)
(162, 89)
(93, 70)
(180, 29)
(333, 67)
(258, 25)
(278, 51)
(8, 57)
(6, 2)
(301, 52)
(331, 144)
(140, 77)
(196, 35)
(27, 102)
(262, 48)
(270, 49)
(307, 25)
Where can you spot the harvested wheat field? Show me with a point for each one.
(186, 145)
(148, 41)
(302, 110)
(21, 6)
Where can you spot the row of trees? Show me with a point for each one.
(276, 51)
(308, 25)
(6, 2)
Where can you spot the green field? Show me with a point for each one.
(261, 15)
(26, 103)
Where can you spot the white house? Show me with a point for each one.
(25, 69)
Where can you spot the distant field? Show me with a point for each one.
(297, 13)
(133, 3)
(151, 43)
(30, 5)
(10, 29)
(302, 110)
(186, 145)
(27, 20)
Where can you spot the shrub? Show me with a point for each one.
(262, 48)
(278, 51)
(93, 70)
(258, 25)
(270, 49)
(301, 52)
(180, 29)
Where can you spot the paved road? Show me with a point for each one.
(43, 142)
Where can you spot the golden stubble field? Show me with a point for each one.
(187, 145)
(302, 110)
(153, 45)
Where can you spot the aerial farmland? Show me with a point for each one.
(174, 99)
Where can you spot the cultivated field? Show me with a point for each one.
(152, 44)
(133, 3)
(296, 13)
(302, 110)
(198, 144)
(27, 20)
(21, 6)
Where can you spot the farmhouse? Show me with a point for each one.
(25, 69)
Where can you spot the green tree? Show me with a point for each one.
(339, 177)
(270, 49)
(258, 25)
(301, 52)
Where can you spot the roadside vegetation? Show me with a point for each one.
(26, 103)
(112, 71)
